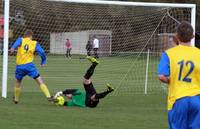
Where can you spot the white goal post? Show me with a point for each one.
(192, 7)
(5, 49)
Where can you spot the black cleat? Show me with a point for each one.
(15, 102)
(50, 99)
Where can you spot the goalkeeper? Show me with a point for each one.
(87, 98)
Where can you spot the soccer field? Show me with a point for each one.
(127, 108)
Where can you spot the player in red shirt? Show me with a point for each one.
(68, 46)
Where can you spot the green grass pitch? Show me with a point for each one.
(127, 108)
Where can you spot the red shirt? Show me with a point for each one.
(1, 26)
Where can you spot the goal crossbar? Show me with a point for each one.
(178, 5)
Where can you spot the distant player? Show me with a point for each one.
(26, 47)
(68, 46)
(89, 48)
(96, 46)
(179, 67)
(89, 97)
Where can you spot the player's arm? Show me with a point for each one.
(16, 44)
(164, 68)
(66, 92)
(41, 53)
(163, 79)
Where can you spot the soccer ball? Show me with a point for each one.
(59, 101)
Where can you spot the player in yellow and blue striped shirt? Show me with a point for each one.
(26, 47)
(180, 68)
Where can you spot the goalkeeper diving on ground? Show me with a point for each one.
(80, 98)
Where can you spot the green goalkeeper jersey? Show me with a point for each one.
(78, 99)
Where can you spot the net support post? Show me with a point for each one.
(193, 21)
(5, 48)
(110, 51)
(146, 74)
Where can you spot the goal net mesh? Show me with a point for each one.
(130, 38)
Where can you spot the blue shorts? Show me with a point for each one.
(26, 69)
(185, 113)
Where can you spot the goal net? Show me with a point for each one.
(131, 40)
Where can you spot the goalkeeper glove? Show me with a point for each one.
(58, 94)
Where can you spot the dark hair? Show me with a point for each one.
(185, 32)
(28, 33)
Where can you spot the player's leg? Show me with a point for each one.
(95, 52)
(70, 55)
(91, 69)
(33, 73)
(19, 74)
(88, 52)
(66, 53)
(89, 88)
(43, 87)
(90, 91)
(17, 91)
(97, 55)
(104, 93)
(178, 116)
(87, 82)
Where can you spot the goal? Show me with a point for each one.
(132, 36)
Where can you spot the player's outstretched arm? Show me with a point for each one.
(41, 53)
(16, 44)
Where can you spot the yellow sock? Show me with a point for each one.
(17, 93)
(45, 90)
